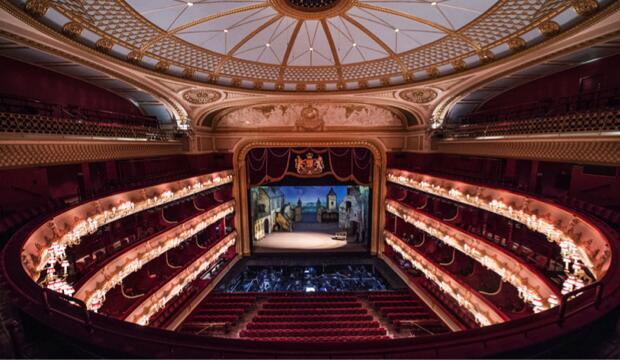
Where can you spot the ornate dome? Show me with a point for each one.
(312, 44)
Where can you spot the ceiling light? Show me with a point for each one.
(396, 30)
(354, 44)
(267, 44)
(434, 3)
(311, 49)
(190, 4)
(225, 30)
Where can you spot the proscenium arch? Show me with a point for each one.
(240, 185)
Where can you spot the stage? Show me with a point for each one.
(305, 241)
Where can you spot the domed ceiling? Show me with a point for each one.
(312, 44)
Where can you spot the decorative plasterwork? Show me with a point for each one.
(310, 116)
(581, 150)
(40, 152)
(418, 96)
(201, 97)
(346, 45)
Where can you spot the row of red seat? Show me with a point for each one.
(222, 309)
(311, 305)
(402, 306)
(313, 317)
(313, 325)
(331, 339)
(327, 332)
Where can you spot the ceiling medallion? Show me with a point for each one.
(418, 96)
(312, 9)
(201, 97)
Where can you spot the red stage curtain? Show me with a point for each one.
(269, 165)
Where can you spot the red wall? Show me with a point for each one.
(23, 80)
(602, 74)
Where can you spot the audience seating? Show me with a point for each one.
(314, 318)
(401, 307)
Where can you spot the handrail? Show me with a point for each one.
(598, 295)
(86, 320)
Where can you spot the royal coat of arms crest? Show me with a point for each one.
(309, 165)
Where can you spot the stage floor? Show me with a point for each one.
(304, 241)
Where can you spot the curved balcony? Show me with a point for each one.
(585, 249)
(47, 244)
(482, 309)
(534, 288)
(93, 289)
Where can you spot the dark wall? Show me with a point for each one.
(23, 80)
(600, 75)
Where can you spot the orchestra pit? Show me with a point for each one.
(309, 179)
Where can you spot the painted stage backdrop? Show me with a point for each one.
(340, 211)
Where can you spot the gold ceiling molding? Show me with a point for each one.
(104, 45)
(418, 59)
(72, 29)
(201, 97)
(37, 7)
(418, 96)
(549, 28)
(585, 7)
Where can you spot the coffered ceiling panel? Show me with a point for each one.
(313, 44)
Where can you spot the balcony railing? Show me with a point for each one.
(16, 123)
(595, 101)
(27, 106)
(602, 121)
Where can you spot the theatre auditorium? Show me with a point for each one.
(309, 179)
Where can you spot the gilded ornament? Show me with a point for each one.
(202, 96)
(300, 87)
(135, 56)
(585, 7)
(549, 28)
(104, 45)
(258, 84)
(279, 86)
(432, 71)
(516, 44)
(340, 85)
(312, 9)
(162, 66)
(385, 81)
(418, 96)
(363, 84)
(72, 29)
(320, 87)
(486, 56)
(459, 65)
(309, 165)
(213, 78)
(37, 7)
(236, 82)
(188, 73)
(310, 119)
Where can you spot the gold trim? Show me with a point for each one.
(240, 195)
(284, 8)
